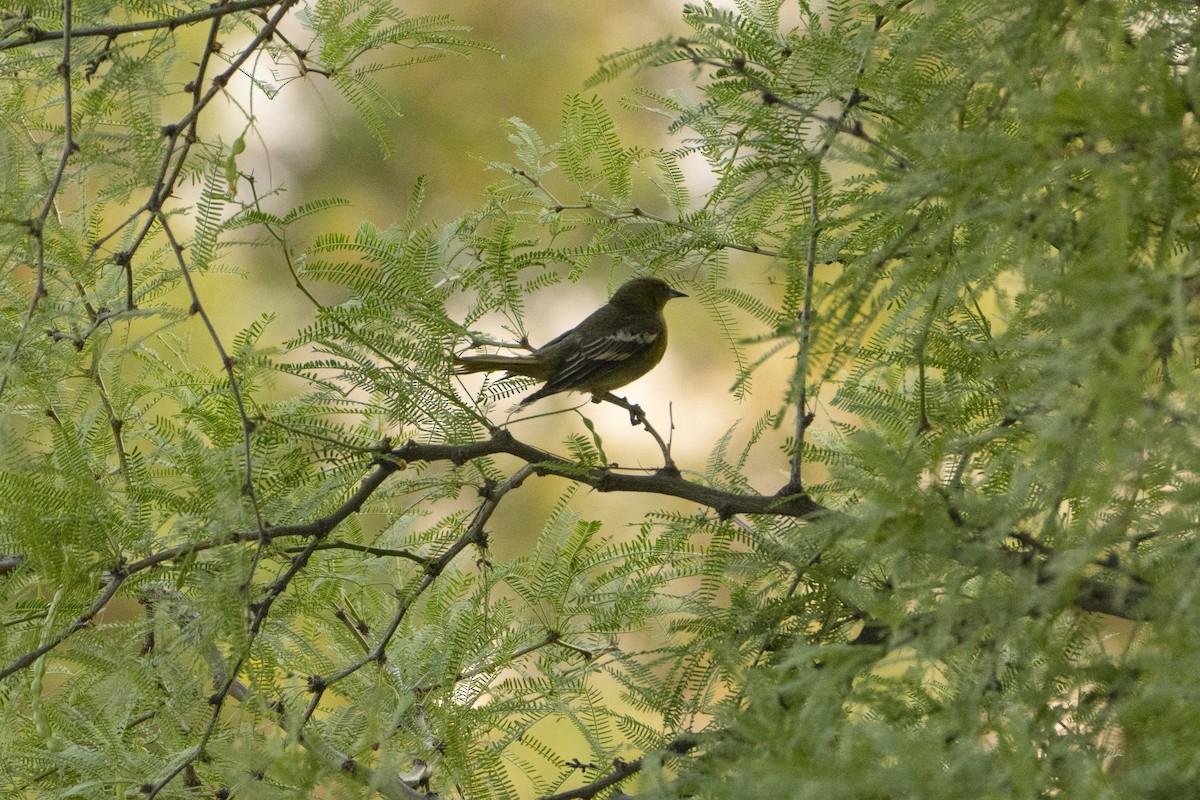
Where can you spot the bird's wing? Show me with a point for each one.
(589, 356)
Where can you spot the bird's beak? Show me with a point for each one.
(677, 293)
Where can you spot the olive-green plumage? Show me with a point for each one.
(619, 343)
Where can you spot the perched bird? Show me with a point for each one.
(619, 343)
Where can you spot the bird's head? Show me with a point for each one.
(650, 294)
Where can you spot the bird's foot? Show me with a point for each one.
(636, 415)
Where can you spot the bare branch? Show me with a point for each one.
(34, 35)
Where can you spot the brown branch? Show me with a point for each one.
(80, 622)
(725, 503)
(317, 528)
(378, 552)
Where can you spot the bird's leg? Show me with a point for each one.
(638, 417)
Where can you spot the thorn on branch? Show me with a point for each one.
(55, 335)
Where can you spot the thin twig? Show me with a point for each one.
(227, 363)
(637, 213)
(638, 417)
(77, 624)
(37, 226)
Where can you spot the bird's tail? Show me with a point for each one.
(464, 365)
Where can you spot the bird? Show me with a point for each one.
(616, 344)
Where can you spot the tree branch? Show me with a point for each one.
(725, 503)
(621, 770)
(33, 34)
